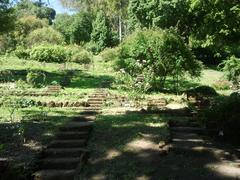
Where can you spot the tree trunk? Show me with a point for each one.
(120, 28)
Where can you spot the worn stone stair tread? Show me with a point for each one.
(188, 129)
(64, 152)
(183, 124)
(60, 163)
(76, 125)
(53, 174)
(67, 143)
(85, 118)
(72, 134)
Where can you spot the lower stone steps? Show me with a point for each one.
(67, 143)
(72, 135)
(60, 174)
(64, 152)
(59, 163)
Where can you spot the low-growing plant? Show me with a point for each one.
(110, 54)
(36, 78)
(232, 69)
(224, 116)
(44, 35)
(49, 53)
(22, 53)
(83, 57)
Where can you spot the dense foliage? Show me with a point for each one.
(101, 34)
(44, 35)
(232, 69)
(6, 16)
(224, 116)
(49, 53)
(36, 78)
(157, 54)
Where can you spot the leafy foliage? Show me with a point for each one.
(7, 17)
(36, 78)
(22, 53)
(83, 57)
(101, 34)
(224, 115)
(157, 54)
(63, 23)
(49, 53)
(110, 54)
(81, 28)
(44, 35)
(232, 69)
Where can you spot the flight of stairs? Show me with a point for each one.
(64, 157)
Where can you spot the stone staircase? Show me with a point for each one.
(187, 136)
(64, 157)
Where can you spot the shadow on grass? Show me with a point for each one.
(126, 147)
(85, 80)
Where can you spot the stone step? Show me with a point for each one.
(90, 112)
(60, 174)
(82, 118)
(64, 152)
(95, 102)
(183, 124)
(188, 129)
(67, 143)
(77, 126)
(96, 98)
(59, 163)
(96, 105)
(64, 135)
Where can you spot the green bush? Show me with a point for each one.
(224, 116)
(22, 53)
(49, 53)
(232, 69)
(44, 35)
(83, 57)
(36, 78)
(157, 54)
(91, 47)
(110, 54)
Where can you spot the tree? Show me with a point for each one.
(158, 55)
(160, 13)
(101, 34)
(7, 17)
(81, 28)
(38, 9)
(63, 23)
(217, 25)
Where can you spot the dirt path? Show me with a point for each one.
(64, 157)
(191, 156)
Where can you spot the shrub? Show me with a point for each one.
(83, 57)
(109, 54)
(232, 69)
(49, 53)
(91, 47)
(202, 91)
(36, 78)
(222, 85)
(44, 35)
(157, 54)
(224, 116)
(22, 53)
